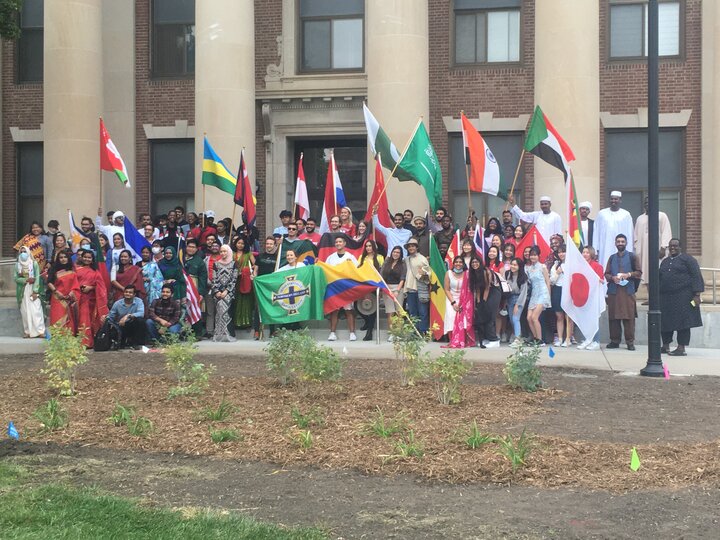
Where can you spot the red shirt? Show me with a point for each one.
(314, 237)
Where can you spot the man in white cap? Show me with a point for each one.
(641, 240)
(547, 222)
(117, 225)
(586, 224)
(609, 223)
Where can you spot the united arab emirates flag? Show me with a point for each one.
(290, 296)
(545, 142)
(421, 162)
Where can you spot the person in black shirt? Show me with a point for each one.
(264, 264)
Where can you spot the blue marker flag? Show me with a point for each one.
(551, 352)
(13, 432)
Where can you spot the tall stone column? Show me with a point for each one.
(398, 83)
(567, 88)
(224, 92)
(710, 132)
(73, 87)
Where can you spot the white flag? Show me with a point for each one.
(583, 295)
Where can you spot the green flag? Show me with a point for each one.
(634, 460)
(421, 162)
(291, 295)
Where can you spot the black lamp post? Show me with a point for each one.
(654, 367)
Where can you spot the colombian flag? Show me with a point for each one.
(214, 171)
(347, 283)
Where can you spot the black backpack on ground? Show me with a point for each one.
(108, 337)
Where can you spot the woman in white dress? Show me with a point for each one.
(27, 281)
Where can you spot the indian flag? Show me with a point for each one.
(110, 159)
(484, 170)
(381, 144)
(545, 142)
(214, 171)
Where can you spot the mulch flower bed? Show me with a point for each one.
(268, 433)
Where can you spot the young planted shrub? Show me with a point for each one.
(320, 363)
(140, 427)
(409, 447)
(304, 439)
(222, 412)
(224, 435)
(516, 451)
(384, 427)
(122, 415)
(192, 377)
(311, 418)
(521, 369)
(52, 416)
(409, 345)
(474, 438)
(284, 350)
(63, 355)
(448, 371)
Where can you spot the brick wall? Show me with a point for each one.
(506, 90)
(268, 25)
(157, 101)
(623, 88)
(22, 107)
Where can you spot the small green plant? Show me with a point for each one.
(409, 447)
(64, 353)
(140, 427)
(320, 363)
(384, 427)
(409, 345)
(474, 438)
(304, 438)
(122, 415)
(224, 435)
(52, 416)
(222, 412)
(515, 450)
(311, 418)
(283, 351)
(521, 369)
(192, 377)
(448, 371)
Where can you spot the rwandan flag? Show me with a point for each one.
(347, 283)
(214, 171)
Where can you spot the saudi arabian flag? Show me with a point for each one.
(421, 162)
(381, 144)
(290, 296)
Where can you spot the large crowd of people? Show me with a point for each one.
(494, 294)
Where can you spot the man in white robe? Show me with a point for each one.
(547, 222)
(641, 240)
(609, 223)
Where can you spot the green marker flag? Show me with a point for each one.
(634, 460)
(290, 296)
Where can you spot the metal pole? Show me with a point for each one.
(377, 316)
(654, 367)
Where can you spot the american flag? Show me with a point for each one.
(193, 300)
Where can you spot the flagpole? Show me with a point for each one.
(517, 172)
(407, 145)
(295, 205)
(101, 178)
(402, 310)
(203, 187)
(277, 259)
(467, 170)
(377, 316)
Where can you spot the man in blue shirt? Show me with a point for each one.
(129, 315)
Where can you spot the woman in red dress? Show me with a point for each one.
(65, 292)
(93, 297)
(127, 274)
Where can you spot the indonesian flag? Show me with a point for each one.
(110, 159)
(583, 295)
(194, 314)
(301, 195)
(383, 212)
(574, 228)
(454, 250)
(334, 195)
(545, 142)
(484, 170)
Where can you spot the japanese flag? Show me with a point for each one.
(583, 295)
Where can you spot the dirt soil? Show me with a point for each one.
(577, 483)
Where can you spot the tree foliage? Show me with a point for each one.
(9, 16)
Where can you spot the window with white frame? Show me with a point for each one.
(629, 25)
(332, 35)
(487, 31)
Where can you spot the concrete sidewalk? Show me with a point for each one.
(698, 361)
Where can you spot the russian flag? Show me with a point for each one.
(334, 195)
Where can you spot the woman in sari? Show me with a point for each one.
(65, 292)
(460, 306)
(104, 244)
(245, 298)
(59, 244)
(93, 305)
(117, 248)
(27, 280)
(127, 274)
(173, 273)
(152, 276)
(224, 280)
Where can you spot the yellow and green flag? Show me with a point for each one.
(214, 171)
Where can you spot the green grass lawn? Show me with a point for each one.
(57, 511)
